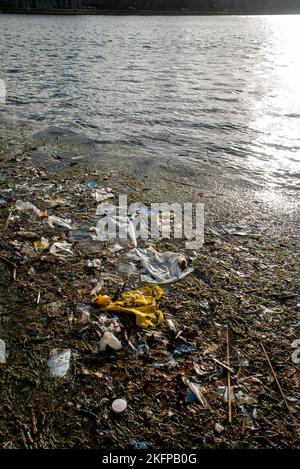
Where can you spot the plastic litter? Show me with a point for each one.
(170, 363)
(27, 207)
(171, 325)
(2, 351)
(85, 316)
(191, 396)
(195, 388)
(41, 246)
(89, 185)
(102, 194)
(56, 221)
(182, 349)
(95, 263)
(97, 289)
(162, 268)
(138, 444)
(109, 324)
(219, 428)
(62, 249)
(56, 202)
(110, 340)
(116, 248)
(140, 302)
(59, 362)
(142, 350)
(27, 250)
(127, 269)
(119, 406)
(115, 227)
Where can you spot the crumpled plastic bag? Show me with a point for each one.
(115, 227)
(62, 249)
(41, 246)
(102, 194)
(140, 302)
(59, 362)
(57, 221)
(109, 339)
(94, 263)
(161, 267)
(27, 206)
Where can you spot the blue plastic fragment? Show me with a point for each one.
(89, 185)
(191, 396)
(182, 349)
(138, 444)
(142, 350)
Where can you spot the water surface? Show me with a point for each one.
(217, 90)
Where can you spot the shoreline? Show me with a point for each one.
(244, 278)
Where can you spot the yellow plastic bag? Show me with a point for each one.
(140, 302)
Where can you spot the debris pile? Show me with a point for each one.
(86, 357)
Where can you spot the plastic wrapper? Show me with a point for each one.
(56, 221)
(140, 302)
(109, 339)
(59, 362)
(27, 207)
(62, 249)
(163, 268)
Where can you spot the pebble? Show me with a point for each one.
(119, 406)
(219, 428)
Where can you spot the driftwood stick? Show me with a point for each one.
(11, 264)
(275, 376)
(223, 364)
(228, 378)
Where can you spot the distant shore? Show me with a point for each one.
(90, 11)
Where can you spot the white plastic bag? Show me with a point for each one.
(62, 249)
(59, 362)
(163, 268)
(111, 340)
(56, 221)
(27, 207)
(102, 194)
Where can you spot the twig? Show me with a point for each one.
(8, 219)
(223, 364)
(7, 261)
(228, 378)
(12, 264)
(38, 297)
(275, 377)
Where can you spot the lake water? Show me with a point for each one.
(223, 91)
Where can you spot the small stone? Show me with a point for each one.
(219, 428)
(119, 406)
